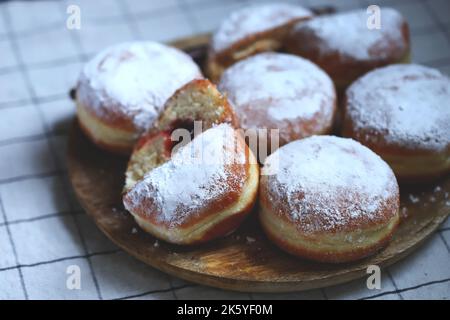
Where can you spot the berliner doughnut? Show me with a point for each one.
(198, 100)
(281, 91)
(202, 192)
(344, 46)
(402, 113)
(328, 199)
(196, 103)
(199, 189)
(249, 31)
(121, 91)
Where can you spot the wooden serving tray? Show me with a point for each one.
(246, 260)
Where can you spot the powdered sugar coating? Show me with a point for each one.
(348, 34)
(327, 183)
(277, 90)
(255, 19)
(197, 176)
(134, 79)
(408, 105)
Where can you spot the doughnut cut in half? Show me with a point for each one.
(202, 191)
(251, 30)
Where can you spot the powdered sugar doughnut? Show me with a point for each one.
(249, 31)
(344, 46)
(402, 113)
(202, 192)
(121, 91)
(191, 193)
(331, 199)
(281, 91)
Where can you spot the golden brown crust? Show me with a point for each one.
(112, 115)
(342, 67)
(330, 200)
(416, 153)
(378, 142)
(117, 149)
(198, 100)
(290, 129)
(210, 226)
(385, 213)
(119, 96)
(212, 219)
(281, 91)
(209, 115)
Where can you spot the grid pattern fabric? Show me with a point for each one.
(43, 229)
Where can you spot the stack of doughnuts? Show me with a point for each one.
(191, 176)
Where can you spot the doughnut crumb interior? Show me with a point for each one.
(329, 199)
(198, 100)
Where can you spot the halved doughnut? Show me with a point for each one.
(343, 45)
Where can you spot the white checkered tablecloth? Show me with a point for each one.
(43, 230)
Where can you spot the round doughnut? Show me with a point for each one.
(201, 188)
(281, 91)
(121, 91)
(328, 199)
(402, 113)
(249, 31)
(344, 46)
